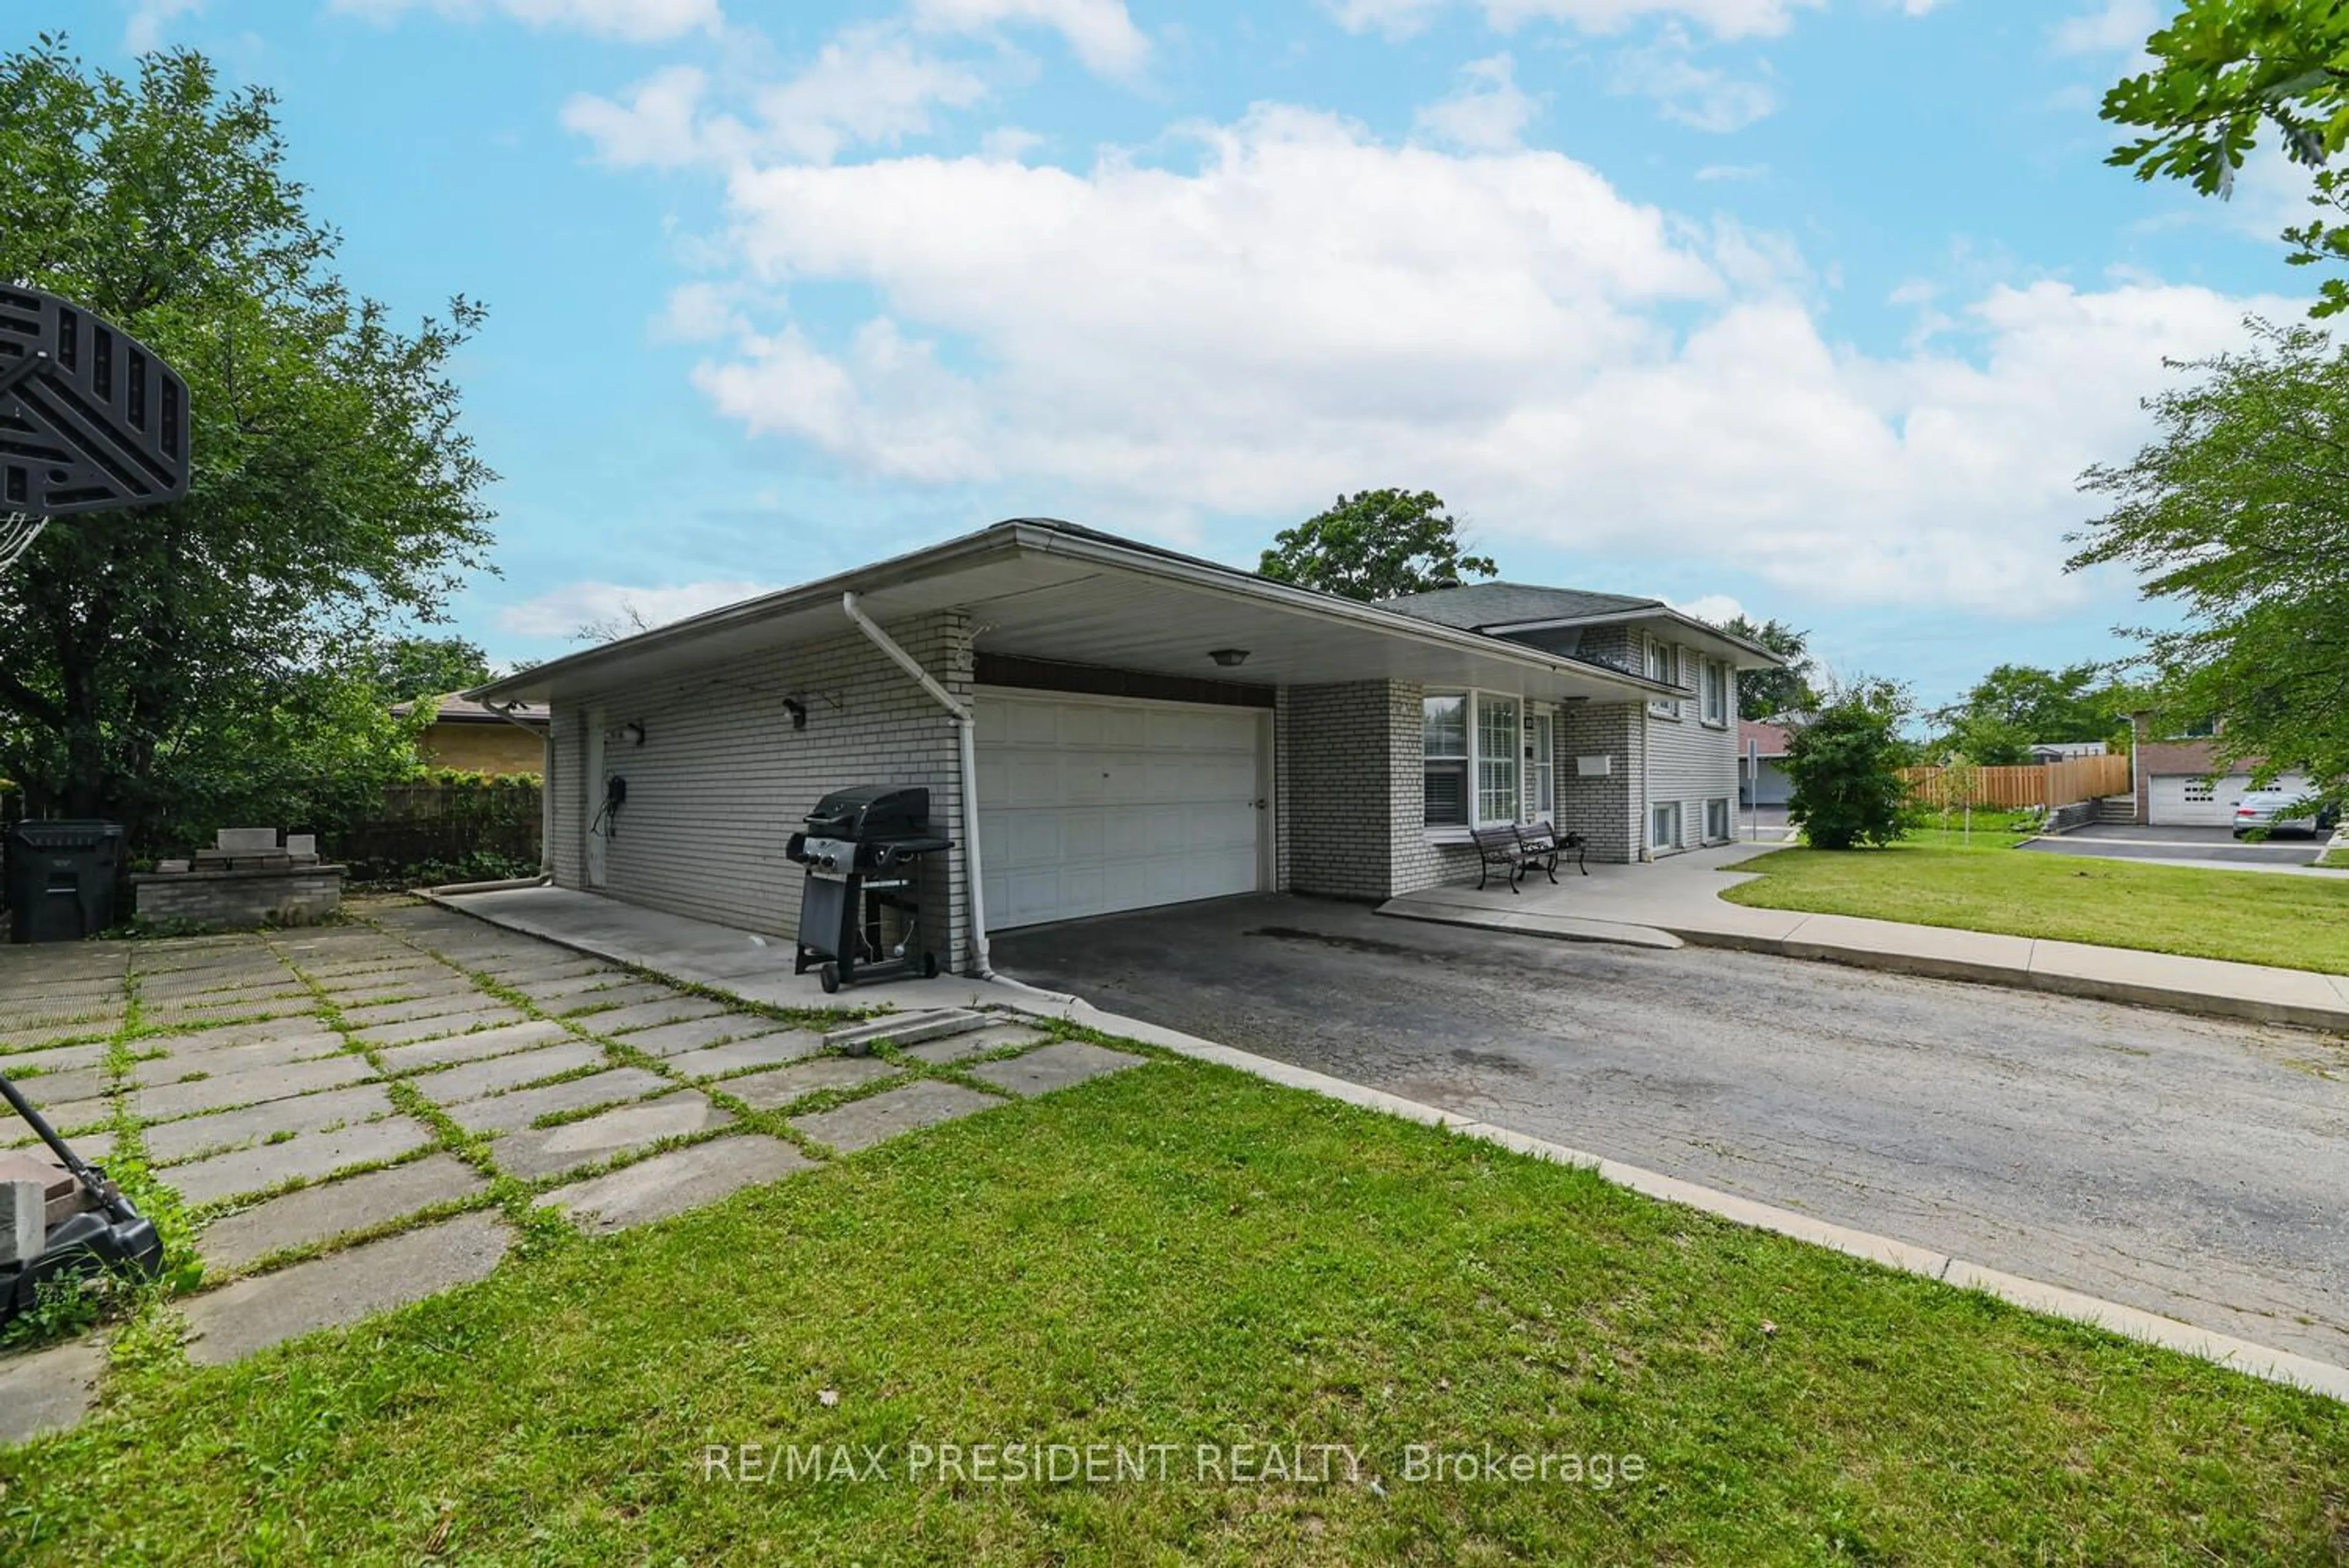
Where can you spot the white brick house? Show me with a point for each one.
(1137, 728)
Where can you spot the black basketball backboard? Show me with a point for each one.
(90, 420)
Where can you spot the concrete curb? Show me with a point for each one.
(2131, 1323)
(1892, 961)
(2136, 993)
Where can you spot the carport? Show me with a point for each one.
(1101, 726)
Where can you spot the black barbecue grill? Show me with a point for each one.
(863, 851)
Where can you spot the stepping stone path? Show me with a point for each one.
(673, 1182)
(303, 1062)
(254, 1315)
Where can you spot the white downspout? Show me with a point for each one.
(966, 727)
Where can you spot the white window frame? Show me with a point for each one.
(1542, 765)
(1658, 842)
(1660, 652)
(1717, 805)
(1488, 704)
(1712, 681)
(1455, 833)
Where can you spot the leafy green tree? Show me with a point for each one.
(155, 667)
(405, 668)
(1766, 693)
(2017, 706)
(1845, 762)
(2225, 70)
(1377, 545)
(2236, 515)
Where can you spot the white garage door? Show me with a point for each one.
(1088, 805)
(2179, 801)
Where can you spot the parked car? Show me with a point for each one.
(2283, 810)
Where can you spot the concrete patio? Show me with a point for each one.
(755, 968)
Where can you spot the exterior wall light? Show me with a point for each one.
(1229, 658)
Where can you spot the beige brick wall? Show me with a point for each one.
(498, 748)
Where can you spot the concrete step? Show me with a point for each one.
(2116, 808)
(905, 1029)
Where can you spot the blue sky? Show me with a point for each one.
(1814, 305)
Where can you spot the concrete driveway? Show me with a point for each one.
(2194, 1167)
(2182, 846)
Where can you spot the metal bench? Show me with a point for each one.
(1544, 846)
(1521, 847)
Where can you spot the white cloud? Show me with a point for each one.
(1716, 609)
(1722, 18)
(1395, 18)
(869, 84)
(1100, 32)
(2114, 27)
(148, 20)
(1701, 96)
(1285, 321)
(1488, 113)
(659, 127)
(561, 612)
(635, 21)
(699, 313)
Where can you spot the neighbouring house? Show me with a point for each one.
(2174, 775)
(1136, 727)
(478, 739)
(2066, 751)
(1767, 743)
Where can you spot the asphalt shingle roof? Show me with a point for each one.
(1472, 607)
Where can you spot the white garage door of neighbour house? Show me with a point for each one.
(2175, 800)
(1088, 805)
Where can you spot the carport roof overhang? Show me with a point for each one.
(1046, 590)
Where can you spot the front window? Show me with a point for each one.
(1664, 825)
(1716, 819)
(1496, 759)
(1716, 693)
(1444, 731)
(1472, 748)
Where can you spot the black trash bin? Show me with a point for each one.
(60, 880)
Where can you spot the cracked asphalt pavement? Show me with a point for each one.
(2191, 1166)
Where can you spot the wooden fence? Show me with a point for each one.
(424, 826)
(2050, 785)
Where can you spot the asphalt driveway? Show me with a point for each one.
(2191, 1166)
(2181, 846)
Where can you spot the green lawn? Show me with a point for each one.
(2298, 922)
(2334, 860)
(1180, 1255)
